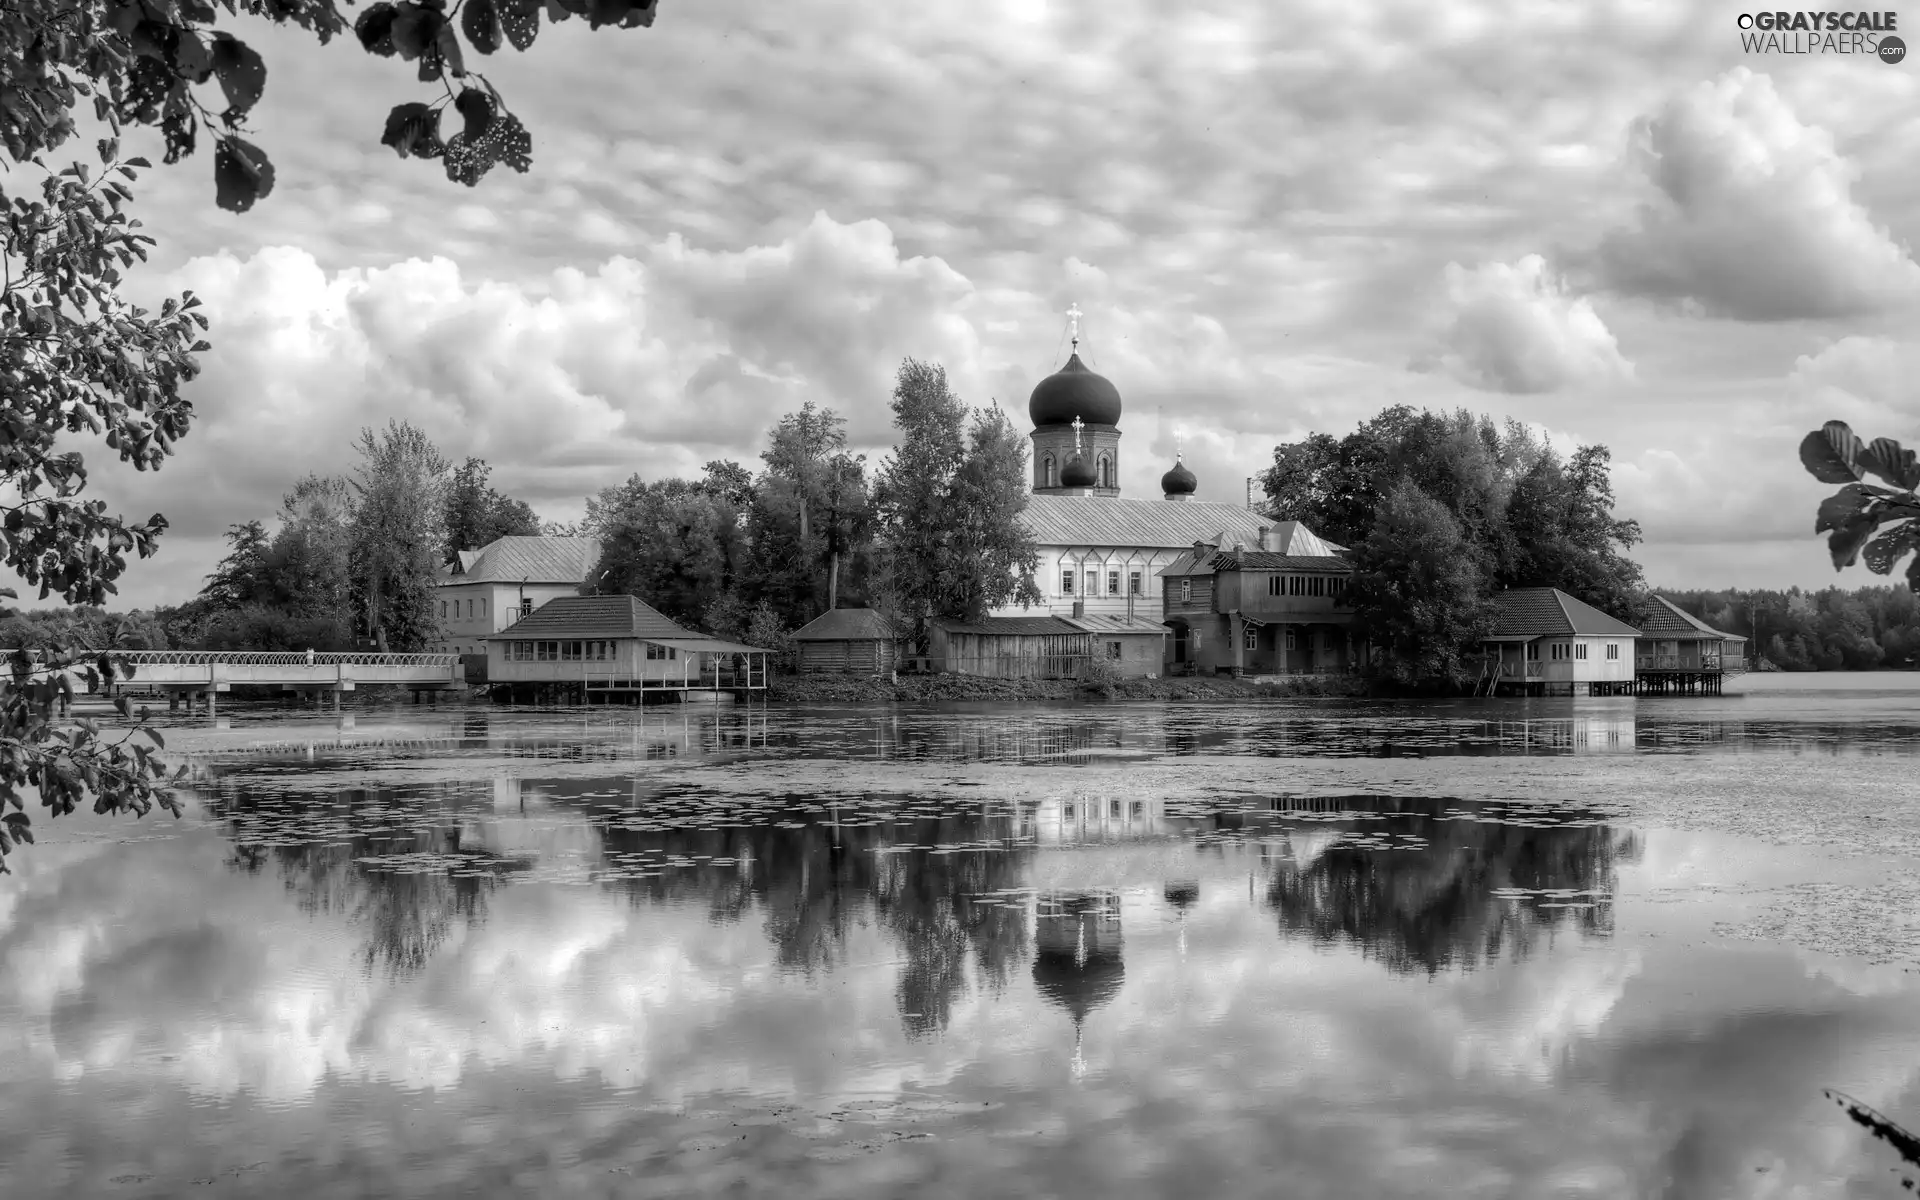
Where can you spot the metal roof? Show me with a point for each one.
(1104, 623)
(1013, 627)
(846, 625)
(594, 617)
(1550, 612)
(707, 645)
(1669, 620)
(528, 559)
(1152, 524)
(1268, 560)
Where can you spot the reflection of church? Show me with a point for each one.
(1100, 551)
(1077, 961)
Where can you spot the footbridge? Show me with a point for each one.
(192, 674)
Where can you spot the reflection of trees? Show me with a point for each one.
(1428, 909)
(813, 876)
(318, 840)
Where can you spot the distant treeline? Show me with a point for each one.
(1834, 629)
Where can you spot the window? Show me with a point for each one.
(526, 608)
(1613, 650)
(1186, 590)
(1113, 583)
(1106, 472)
(1113, 650)
(1253, 637)
(1133, 583)
(1066, 583)
(483, 608)
(1296, 585)
(1533, 651)
(570, 651)
(1580, 650)
(661, 653)
(1194, 640)
(1290, 639)
(1093, 583)
(1327, 642)
(443, 610)
(1273, 585)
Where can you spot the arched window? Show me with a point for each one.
(1047, 472)
(1106, 471)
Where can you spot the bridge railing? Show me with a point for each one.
(260, 658)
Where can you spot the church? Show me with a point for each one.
(1101, 553)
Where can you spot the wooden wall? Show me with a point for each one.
(866, 656)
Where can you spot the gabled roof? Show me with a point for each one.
(1669, 620)
(846, 625)
(1267, 560)
(1150, 524)
(533, 559)
(1190, 564)
(595, 617)
(1550, 612)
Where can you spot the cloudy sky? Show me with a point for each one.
(1604, 219)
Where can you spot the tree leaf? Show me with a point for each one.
(480, 21)
(520, 21)
(1832, 453)
(1886, 550)
(414, 129)
(1843, 506)
(241, 174)
(243, 73)
(447, 42)
(415, 29)
(607, 12)
(375, 29)
(477, 107)
(192, 57)
(1847, 539)
(642, 14)
(1892, 462)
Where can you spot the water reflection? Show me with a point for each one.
(559, 952)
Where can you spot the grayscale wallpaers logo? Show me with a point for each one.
(1863, 33)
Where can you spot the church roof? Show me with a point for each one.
(1669, 620)
(533, 559)
(1074, 391)
(1151, 524)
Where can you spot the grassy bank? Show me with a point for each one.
(833, 689)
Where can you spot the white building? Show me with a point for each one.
(1097, 549)
(494, 586)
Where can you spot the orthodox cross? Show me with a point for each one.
(1178, 437)
(1073, 324)
(1077, 426)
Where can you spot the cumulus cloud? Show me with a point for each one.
(1516, 328)
(1872, 383)
(1755, 217)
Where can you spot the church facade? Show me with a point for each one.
(1101, 553)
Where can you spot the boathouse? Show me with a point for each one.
(1278, 607)
(1679, 652)
(1545, 642)
(585, 649)
(847, 641)
(1046, 647)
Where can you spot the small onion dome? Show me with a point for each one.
(1073, 391)
(1179, 481)
(1078, 473)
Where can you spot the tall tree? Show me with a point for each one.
(947, 507)
(674, 544)
(399, 531)
(1417, 592)
(241, 577)
(310, 561)
(478, 514)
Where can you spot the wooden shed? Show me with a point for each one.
(1010, 647)
(847, 641)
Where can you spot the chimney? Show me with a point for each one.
(1264, 530)
(1079, 609)
(1200, 551)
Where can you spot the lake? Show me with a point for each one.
(1606, 947)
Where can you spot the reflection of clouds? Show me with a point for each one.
(1527, 1020)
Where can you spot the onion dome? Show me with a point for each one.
(1074, 391)
(1078, 473)
(1179, 481)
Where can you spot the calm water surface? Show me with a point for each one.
(1600, 947)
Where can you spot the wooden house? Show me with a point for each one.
(1545, 642)
(1680, 652)
(1046, 647)
(1276, 608)
(606, 647)
(847, 641)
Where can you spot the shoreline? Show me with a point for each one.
(820, 689)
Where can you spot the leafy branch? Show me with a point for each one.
(1879, 523)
